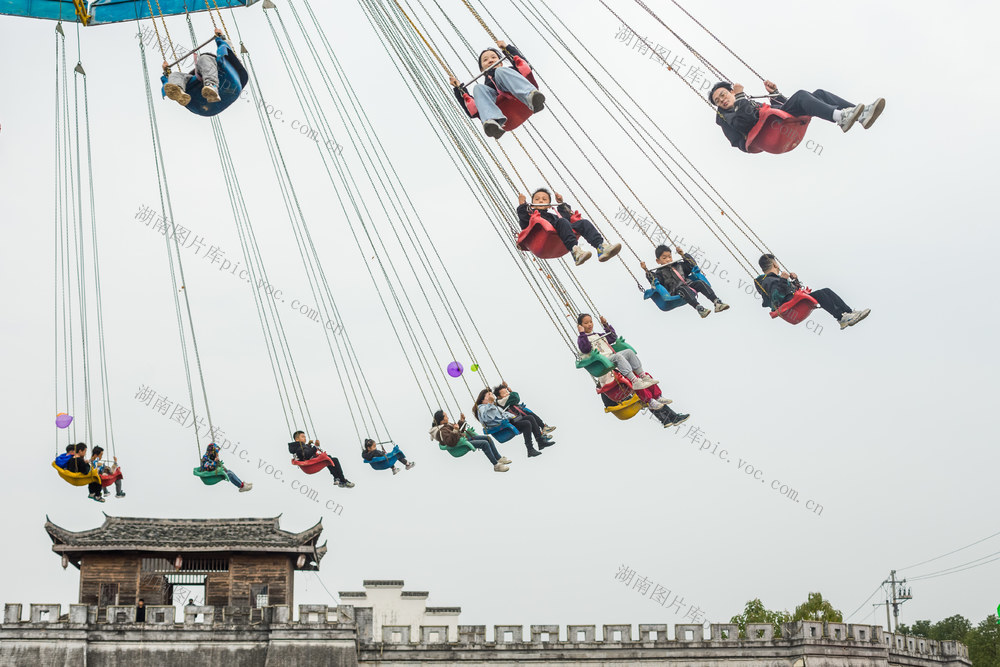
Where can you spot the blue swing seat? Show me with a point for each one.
(232, 79)
(385, 462)
(503, 432)
(666, 301)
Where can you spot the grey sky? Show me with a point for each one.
(885, 425)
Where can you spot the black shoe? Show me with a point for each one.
(533, 452)
(546, 443)
(679, 419)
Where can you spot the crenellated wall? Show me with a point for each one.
(344, 636)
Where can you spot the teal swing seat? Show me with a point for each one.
(461, 449)
(385, 462)
(210, 477)
(599, 365)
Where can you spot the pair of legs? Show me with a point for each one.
(207, 68)
(628, 364)
(818, 104)
(337, 470)
(831, 302)
(118, 489)
(509, 81)
(567, 232)
(94, 490)
(689, 292)
(485, 443)
(529, 428)
(668, 417)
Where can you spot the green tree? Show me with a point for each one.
(919, 629)
(756, 612)
(815, 608)
(954, 627)
(984, 643)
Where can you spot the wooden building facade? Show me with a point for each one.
(236, 563)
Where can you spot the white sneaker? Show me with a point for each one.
(493, 129)
(704, 312)
(719, 306)
(656, 405)
(347, 484)
(608, 250)
(504, 459)
(641, 383)
(872, 112)
(246, 487)
(211, 94)
(395, 470)
(177, 94)
(849, 116)
(845, 320)
(548, 429)
(500, 468)
(858, 315)
(410, 464)
(580, 255)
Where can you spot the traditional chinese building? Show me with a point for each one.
(234, 563)
(246, 567)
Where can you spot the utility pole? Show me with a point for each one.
(899, 595)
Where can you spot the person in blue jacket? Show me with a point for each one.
(206, 68)
(489, 415)
(63, 459)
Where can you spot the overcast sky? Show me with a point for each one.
(885, 425)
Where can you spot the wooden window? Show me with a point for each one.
(258, 596)
(109, 595)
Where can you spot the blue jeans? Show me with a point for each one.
(510, 81)
(485, 443)
(819, 104)
(234, 479)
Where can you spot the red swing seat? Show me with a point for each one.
(108, 480)
(541, 239)
(776, 131)
(618, 389)
(797, 308)
(515, 112)
(313, 465)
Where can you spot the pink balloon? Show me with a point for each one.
(63, 420)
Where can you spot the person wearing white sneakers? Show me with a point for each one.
(372, 451)
(449, 435)
(779, 286)
(736, 113)
(627, 362)
(568, 224)
(677, 279)
(210, 461)
(206, 68)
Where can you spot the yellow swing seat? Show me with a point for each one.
(78, 478)
(626, 409)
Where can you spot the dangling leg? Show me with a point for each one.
(402, 459)
(338, 473)
(691, 298)
(175, 87)
(513, 82)
(706, 289)
(821, 104)
(94, 490)
(565, 230)
(208, 68)
(242, 486)
(587, 230)
(486, 104)
(523, 427)
(628, 364)
(118, 489)
(831, 302)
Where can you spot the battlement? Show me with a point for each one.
(350, 627)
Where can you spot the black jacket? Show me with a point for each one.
(778, 290)
(368, 455)
(737, 122)
(666, 276)
(78, 464)
(461, 91)
(524, 211)
(302, 451)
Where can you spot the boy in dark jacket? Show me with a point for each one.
(303, 451)
(736, 113)
(567, 224)
(676, 278)
(79, 464)
(498, 79)
(779, 286)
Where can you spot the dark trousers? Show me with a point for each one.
(819, 104)
(336, 469)
(485, 443)
(830, 302)
(688, 292)
(528, 428)
(95, 488)
(586, 229)
(665, 415)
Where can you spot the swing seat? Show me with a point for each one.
(649, 393)
(595, 363)
(776, 131)
(618, 389)
(626, 409)
(461, 449)
(232, 79)
(503, 432)
(620, 345)
(541, 239)
(797, 308)
(210, 477)
(385, 462)
(313, 465)
(77, 478)
(511, 107)
(108, 480)
(666, 301)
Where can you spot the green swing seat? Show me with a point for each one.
(461, 449)
(210, 477)
(597, 364)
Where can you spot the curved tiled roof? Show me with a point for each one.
(187, 535)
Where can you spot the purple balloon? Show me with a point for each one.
(455, 369)
(63, 420)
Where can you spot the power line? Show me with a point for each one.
(865, 602)
(957, 568)
(950, 552)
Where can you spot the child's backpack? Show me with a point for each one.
(63, 460)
